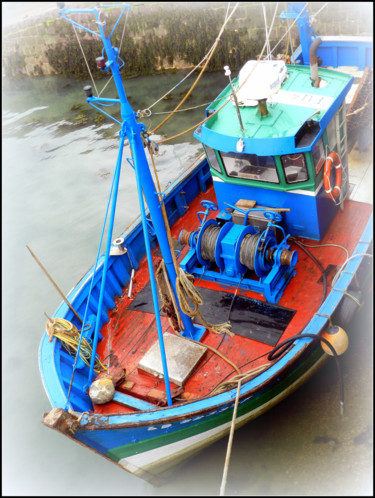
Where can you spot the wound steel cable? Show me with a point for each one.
(208, 243)
(248, 250)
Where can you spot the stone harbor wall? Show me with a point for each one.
(160, 36)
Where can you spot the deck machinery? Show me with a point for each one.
(278, 157)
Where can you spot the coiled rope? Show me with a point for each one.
(169, 301)
(186, 291)
(184, 283)
(69, 336)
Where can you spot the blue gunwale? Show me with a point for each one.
(194, 408)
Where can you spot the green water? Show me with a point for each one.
(56, 178)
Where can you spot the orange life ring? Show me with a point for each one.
(332, 192)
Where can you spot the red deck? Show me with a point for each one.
(129, 333)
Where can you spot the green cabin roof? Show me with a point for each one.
(289, 109)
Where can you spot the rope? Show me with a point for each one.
(84, 56)
(242, 377)
(170, 306)
(313, 17)
(326, 245)
(336, 277)
(184, 286)
(186, 291)
(230, 441)
(187, 108)
(296, 19)
(191, 72)
(290, 41)
(69, 336)
(166, 302)
(358, 110)
(200, 74)
(234, 93)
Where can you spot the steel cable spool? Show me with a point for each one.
(248, 250)
(208, 244)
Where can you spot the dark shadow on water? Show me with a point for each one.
(302, 446)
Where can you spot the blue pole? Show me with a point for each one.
(134, 129)
(295, 9)
(106, 257)
(152, 280)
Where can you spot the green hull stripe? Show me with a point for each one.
(124, 451)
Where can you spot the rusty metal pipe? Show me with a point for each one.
(314, 62)
(184, 237)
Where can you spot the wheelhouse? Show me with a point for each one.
(278, 159)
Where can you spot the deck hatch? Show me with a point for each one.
(251, 318)
(182, 357)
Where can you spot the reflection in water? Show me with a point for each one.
(57, 170)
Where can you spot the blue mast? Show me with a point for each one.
(298, 10)
(133, 130)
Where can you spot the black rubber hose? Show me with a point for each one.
(324, 276)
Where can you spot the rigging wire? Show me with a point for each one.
(229, 98)
(84, 56)
(288, 30)
(190, 108)
(268, 56)
(292, 59)
(313, 16)
(194, 69)
(200, 74)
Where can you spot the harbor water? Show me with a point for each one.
(58, 164)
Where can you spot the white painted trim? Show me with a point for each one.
(297, 191)
(148, 461)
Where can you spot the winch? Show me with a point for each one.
(223, 251)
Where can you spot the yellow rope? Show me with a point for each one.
(166, 293)
(200, 74)
(69, 336)
(186, 291)
(224, 386)
(230, 97)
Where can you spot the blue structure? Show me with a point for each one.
(334, 51)
(234, 249)
(135, 132)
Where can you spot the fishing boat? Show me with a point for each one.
(235, 283)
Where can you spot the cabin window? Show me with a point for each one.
(212, 159)
(318, 155)
(295, 169)
(250, 167)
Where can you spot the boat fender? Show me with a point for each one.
(102, 390)
(334, 159)
(337, 337)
